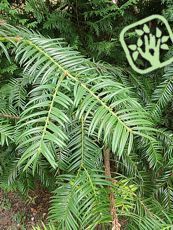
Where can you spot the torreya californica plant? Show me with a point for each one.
(70, 122)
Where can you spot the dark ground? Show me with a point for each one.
(19, 213)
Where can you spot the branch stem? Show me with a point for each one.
(115, 223)
(3, 115)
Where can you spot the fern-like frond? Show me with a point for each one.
(6, 133)
(81, 202)
(114, 114)
(83, 150)
(42, 119)
(163, 94)
(18, 94)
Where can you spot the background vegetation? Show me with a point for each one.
(77, 119)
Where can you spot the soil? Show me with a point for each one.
(19, 213)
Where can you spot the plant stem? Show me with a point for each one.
(115, 223)
(3, 115)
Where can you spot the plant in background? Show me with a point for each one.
(95, 135)
(74, 119)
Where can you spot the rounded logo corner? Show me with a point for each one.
(147, 40)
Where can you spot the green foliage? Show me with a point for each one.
(82, 202)
(167, 12)
(44, 227)
(60, 110)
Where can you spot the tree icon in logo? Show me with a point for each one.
(149, 44)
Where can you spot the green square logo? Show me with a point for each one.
(145, 43)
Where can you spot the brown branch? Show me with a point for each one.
(115, 223)
(3, 115)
